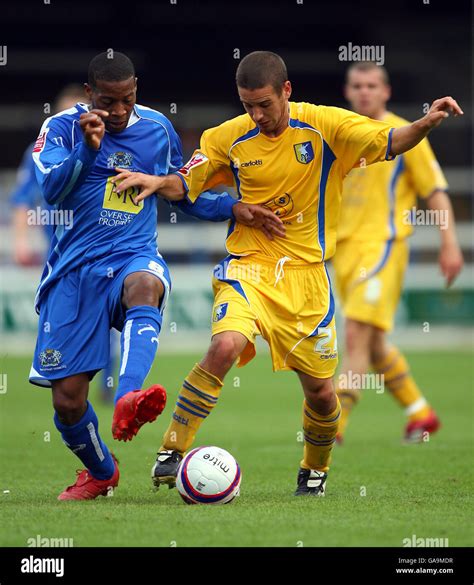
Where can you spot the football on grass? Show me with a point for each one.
(208, 475)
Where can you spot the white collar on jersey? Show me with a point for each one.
(134, 117)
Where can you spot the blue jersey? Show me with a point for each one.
(77, 181)
(27, 192)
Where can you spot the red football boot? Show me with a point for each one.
(339, 439)
(88, 488)
(135, 409)
(415, 431)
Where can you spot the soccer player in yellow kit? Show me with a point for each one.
(291, 157)
(372, 255)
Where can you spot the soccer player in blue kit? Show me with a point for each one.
(106, 270)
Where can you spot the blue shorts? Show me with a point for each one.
(78, 311)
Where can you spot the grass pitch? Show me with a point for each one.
(379, 492)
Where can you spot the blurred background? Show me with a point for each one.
(186, 54)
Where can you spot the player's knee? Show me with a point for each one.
(141, 288)
(69, 401)
(321, 398)
(224, 350)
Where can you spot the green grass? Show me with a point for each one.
(420, 489)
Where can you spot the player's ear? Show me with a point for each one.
(388, 93)
(287, 89)
(88, 90)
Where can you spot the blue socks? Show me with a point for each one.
(84, 441)
(139, 342)
(107, 375)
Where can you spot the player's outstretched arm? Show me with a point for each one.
(259, 217)
(170, 187)
(407, 137)
(450, 255)
(211, 206)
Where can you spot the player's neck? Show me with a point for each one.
(379, 114)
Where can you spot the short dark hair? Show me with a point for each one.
(368, 66)
(261, 68)
(110, 66)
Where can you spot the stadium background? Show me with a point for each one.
(185, 55)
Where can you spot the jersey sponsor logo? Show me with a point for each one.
(304, 152)
(124, 160)
(219, 312)
(50, 358)
(281, 206)
(252, 163)
(40, 141)
(196, 160)
(121, 201)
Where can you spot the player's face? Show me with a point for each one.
(367, 92)
(267, 108)
(115, 97)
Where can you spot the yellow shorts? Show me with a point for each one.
(369, 279)
(289, 303)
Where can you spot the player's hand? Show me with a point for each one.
(441, 109)
(259, 217)
(451, 262)
(93, 127)
(148, 184)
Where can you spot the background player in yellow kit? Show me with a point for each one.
(291, 157)
(372, 254)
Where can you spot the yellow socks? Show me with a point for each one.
(348, 399)
(402, 386)
(197, 398)
(319, 436)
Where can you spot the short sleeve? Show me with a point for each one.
(208, 166)
(355, 140)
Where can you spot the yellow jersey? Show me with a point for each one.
(377, 201)
(298, 174)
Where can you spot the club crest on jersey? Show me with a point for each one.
(50, 358)
(198, 159)
(123, 160)
(219, 312)
(304, 152)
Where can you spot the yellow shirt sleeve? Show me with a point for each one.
(209, 166)
(424, 171)
(357, 141)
